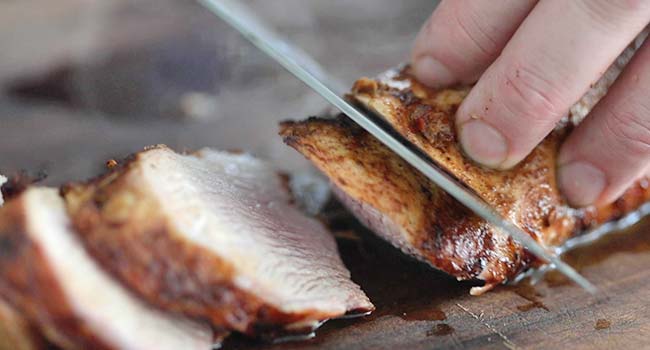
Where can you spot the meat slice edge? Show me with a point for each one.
(404, 207)
(214, 236)
(49, 277)
(398, 203)
(527, 194)
(16, 332)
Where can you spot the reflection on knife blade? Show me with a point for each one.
(307, 70)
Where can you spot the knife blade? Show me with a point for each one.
(313, 75)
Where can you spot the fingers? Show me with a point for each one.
(463, 37)
(610, 149)
(549, 63)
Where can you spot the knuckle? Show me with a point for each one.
(469, 23)
(629, 131)
(459, 38)
(608, 11)
(529, 95)
(621, 6)
(632, 5)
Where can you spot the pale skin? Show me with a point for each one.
(531, 60)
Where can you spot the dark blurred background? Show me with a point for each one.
(83, 81)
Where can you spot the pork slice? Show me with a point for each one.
(50, 279)
(16, 332)
(215, 236)
(405, 208)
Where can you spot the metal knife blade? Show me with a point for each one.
(313, 75)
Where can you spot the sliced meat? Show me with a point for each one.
(405, 208)
(46, 274)
(214, 235)
(16, 332)
(527, 194)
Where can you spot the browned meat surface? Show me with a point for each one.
(16, 332)
(402, 206)
(214, 236)
(47, 277)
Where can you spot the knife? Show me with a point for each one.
(313, 75)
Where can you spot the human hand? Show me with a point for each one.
(533, 60)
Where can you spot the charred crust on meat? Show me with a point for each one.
(436, 235)
(17, 332)
(110, 211)
(28, 285)
(365, 86)
(449, 237)
(111, 163)
(19, 182)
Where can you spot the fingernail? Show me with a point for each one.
(581, 183)
(483, 143)
(432, 73)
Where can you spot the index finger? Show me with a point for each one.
(463, 37)
(559, 50)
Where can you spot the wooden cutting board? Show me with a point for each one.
(419, 308)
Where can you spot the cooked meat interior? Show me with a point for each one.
(402, 206)
(214, 235)
(48, 277)
(16, 332)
